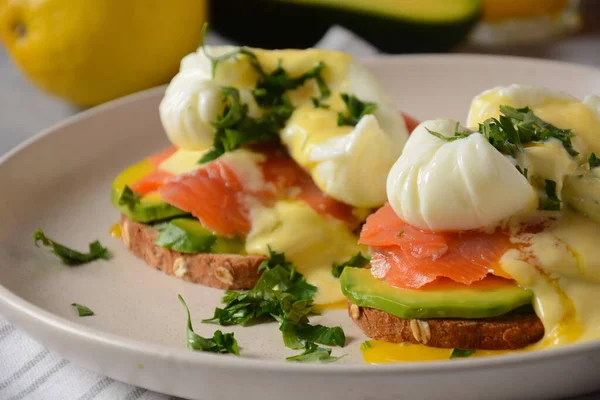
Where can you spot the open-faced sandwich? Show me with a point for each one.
(284, 151)
(490, 237)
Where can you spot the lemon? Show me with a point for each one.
(92, 51)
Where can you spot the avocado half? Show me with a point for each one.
(400, 26)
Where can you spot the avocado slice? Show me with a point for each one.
(188, 235)
(363, 289)
(151, 206)
(400, 26)
(582, 192)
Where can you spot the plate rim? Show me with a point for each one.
(18, 309)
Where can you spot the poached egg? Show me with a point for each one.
(339, 158)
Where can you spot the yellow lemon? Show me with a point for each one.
(92, 51)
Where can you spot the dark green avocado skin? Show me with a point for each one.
(273, 24)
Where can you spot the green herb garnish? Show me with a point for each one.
(318, 104)
(314, 354)
(128, 198)
(458, 134)
(461, 353)
(365, 345)
(174, 237)
(355, 110)
(356, 261)
(400, 233)
(551, 202)
(69, 256)
(593, 161)
(518, 126)
(271, 88)
(523, 171)
(235, 129)
(281, 294)
(83, 311)
(219, 343)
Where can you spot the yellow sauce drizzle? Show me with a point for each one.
(380, 352)
(115, 230)
(338, 305)
(568, 330)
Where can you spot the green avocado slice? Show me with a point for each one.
(187, 235)
(363, 289)
(151, 207)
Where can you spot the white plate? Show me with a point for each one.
(60, 181)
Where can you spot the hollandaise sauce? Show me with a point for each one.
(379, 352)
(115, 230)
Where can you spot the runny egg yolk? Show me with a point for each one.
(561, 264)
(380, 352)
(115, 230)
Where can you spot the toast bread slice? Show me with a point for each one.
(221, 271)
(507, 332)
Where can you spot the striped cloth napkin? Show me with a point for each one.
(30, 371)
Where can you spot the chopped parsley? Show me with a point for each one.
(458, 134)
(593, 161)
(355, 110)
(461, 353)
(356, 261)
(400, 233)
(219, 343)
(518, 126)
(365, 345)
(234, 128)
(271, 88)
(318, 104)
(281, 294)
(551, 202)
(315, 354)
(83, 311)
(69, 256)
(523, 171)
(128, 198)
(514, 128)
(174, 237)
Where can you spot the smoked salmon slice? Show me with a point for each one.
(289, 180)
(408, 257)
(220, 196)
(151, 182)
(213, 194)
(411, 123)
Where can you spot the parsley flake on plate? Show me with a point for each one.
(461, 353)
(69, 256)
(82, 310)
(219, 343)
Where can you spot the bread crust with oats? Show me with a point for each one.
(221, 271)
(507, 332)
